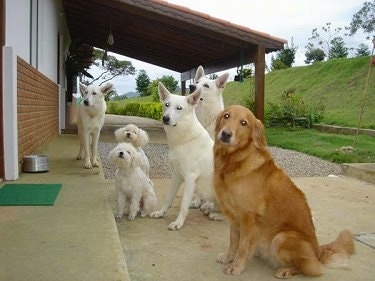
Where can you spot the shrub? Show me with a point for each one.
(291, 106)
(151, 110)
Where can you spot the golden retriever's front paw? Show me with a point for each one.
(284, 273)
(233, 269)
(224, 258)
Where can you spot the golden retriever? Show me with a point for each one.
(269, 216)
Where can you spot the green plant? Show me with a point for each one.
(142, 81)
(151, 110)
(289, 108)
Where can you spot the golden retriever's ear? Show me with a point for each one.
(218, 120)
(259, 136)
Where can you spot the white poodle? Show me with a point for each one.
(135, 192)
(139, 139)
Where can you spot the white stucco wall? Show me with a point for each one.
(17, 31)
(48, 38)
(18, 34)
(40, 48)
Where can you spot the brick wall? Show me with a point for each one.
(37, 109)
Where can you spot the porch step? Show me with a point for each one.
(361, 171)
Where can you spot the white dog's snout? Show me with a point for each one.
(166, 119)
(121, 154)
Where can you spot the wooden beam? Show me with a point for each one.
(260, 63)
(183, 88)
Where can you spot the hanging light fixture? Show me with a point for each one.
(110, 40)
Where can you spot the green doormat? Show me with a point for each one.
(29, 194)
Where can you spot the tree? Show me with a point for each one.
(111, 66)
(314, 55)
(364, 20)
(362, 50)
(277, 64)
(168, 81)
(284, 58)
(142, 82)
(324, 41)
(246, 71)
(338, 49)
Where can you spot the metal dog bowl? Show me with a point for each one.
(35, 163)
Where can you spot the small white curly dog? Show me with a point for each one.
(135, 192)
(139, 139)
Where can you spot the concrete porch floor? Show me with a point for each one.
(78, 238)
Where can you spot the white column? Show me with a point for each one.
(10, 114)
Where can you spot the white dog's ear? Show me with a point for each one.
(163, 92)
(194, 98)
(199, 73)
(106, 88)
(222, 80)
(136, 162)
(143, 138)
(111, 157)
(82, 88)
(119, 135)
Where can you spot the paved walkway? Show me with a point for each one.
(78, 238)
(74, 240)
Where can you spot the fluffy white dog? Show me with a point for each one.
(139, 139)
(135, 192)
(90, 120)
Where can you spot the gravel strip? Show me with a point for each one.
(296, 164)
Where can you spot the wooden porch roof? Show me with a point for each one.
(165, 34)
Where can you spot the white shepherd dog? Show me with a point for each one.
(190, 154)
(211, 102)
(90, 120)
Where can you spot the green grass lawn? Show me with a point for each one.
(323, 145)
(337, 84)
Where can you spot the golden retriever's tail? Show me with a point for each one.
(336, 254)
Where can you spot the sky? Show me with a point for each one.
(292, 20)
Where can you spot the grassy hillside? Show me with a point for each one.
(337, 84)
